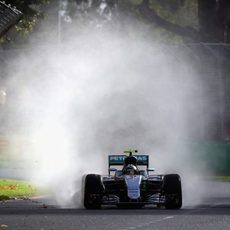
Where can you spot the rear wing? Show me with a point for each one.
(117, 160)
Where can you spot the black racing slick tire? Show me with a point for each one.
(93, 191)
(172, 190)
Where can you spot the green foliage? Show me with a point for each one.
(25, 26)
(183, 13)
(169, 21)
(222, 178)
(136, 2)
(32, 11)
(180, 12)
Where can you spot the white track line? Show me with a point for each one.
(148, 223)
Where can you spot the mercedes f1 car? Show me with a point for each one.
(132, 185)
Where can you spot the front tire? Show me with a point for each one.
(172, 191)
(93, 191)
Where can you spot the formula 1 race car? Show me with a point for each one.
(132, 185)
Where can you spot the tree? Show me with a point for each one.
(149, 13)
(210, 21)
(213, 16)
(33, 13)
(192, 20)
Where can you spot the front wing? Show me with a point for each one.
(116, 192)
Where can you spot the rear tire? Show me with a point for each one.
(93, 191)
(172, 191)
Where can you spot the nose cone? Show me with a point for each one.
(133, 186)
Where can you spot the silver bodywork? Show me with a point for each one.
(133, 185)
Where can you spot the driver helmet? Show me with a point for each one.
(131, 169)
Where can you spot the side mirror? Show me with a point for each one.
(112, 169)
(150, 170)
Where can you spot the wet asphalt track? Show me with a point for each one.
(33, 214)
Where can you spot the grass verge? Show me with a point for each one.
(11, 189)
(223, 178)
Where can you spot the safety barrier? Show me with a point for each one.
(214, 155)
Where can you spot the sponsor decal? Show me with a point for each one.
(117, 158)
(120, 158)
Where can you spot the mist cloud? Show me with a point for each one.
(98, 93)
